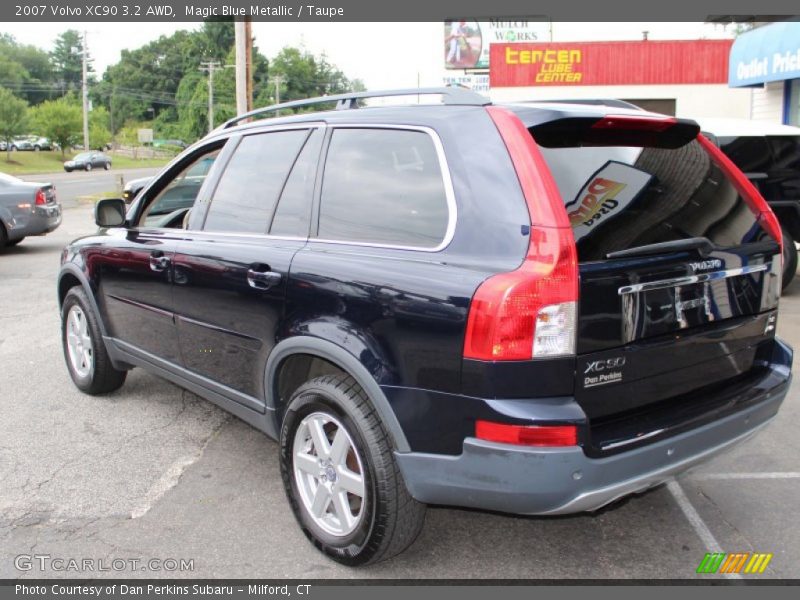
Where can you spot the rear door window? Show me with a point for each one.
(293, 215)
(383, 186)
(248, 189)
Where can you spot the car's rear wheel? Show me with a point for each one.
(789, 258)
(340, 476)
(107, 166)
(14, 242)
(88, 166)
(87, 360)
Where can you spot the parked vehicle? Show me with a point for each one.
(86, 161)
(26, 209)
(22, 144)
(41, 143)
(132, 188)
(769, 154)
(169, 143)
(530, 308)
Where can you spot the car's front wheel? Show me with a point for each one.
(87, 359)
(340, 476)
(88, 167)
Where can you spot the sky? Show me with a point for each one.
(383, 55)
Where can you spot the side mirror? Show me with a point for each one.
(109, 212)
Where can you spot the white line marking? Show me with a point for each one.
(164, 483)
(696, 521)
(786, 475)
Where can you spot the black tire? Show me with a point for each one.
(392, 519)
(107, 166)
(103, 378)
(789, 258)
(68, 170)
(14, 242)
(36, 148)
(88, 167)
(3, 236)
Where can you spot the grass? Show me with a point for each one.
(23, 163)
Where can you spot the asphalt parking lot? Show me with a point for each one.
(153, 471)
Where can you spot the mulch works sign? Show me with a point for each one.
(609, 63)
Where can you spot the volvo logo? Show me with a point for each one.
(705, 265)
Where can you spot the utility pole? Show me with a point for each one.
(278, 81)
(248, 34)
(241, 44)
(209, 67)
(85, 93)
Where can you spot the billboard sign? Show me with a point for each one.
(610, 63)
(145, 136)
(467, 43)
(768, 53)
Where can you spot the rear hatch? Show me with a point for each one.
(679, 271)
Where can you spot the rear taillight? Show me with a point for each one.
(527, 435)
(41, 198)
(755, 201)
(530, 312)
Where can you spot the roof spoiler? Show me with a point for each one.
(645, 130)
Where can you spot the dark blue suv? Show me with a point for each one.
(529, 308)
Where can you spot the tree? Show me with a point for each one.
(25, 70)
(66, 60)
(99, 132)
(304, 75)
(60, 120)
(13, 118)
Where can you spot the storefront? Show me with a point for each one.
(687, 78)
(767, 60)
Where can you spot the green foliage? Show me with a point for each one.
(25, 70)
(60, 120)
(13, 117)
(99, 132)
(66, 59)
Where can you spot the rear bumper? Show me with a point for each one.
(43, 219)
(550, 481)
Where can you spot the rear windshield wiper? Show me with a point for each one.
(704, 245)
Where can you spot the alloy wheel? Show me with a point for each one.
(329, 474)
(79, 343)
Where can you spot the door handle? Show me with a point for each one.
(158, 262)
(262, 280)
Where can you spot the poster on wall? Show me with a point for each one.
(467, 43)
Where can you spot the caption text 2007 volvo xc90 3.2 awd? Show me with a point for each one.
(528, 308)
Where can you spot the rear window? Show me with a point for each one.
(620, 197)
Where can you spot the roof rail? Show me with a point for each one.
(454, 95)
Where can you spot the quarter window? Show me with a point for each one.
(383, 186)
(248, 189)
